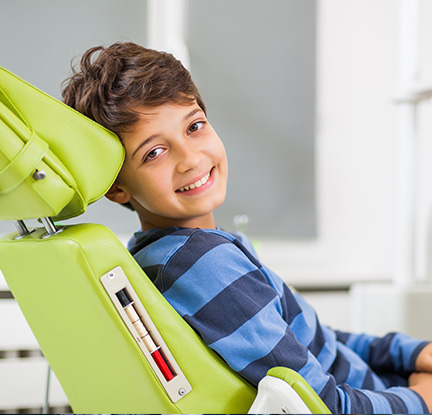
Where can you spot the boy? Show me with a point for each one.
(174, 176)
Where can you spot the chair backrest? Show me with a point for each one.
(53, 163)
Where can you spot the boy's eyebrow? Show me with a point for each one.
(192, 113)
(146, 141)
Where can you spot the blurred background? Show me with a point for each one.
(303, 94)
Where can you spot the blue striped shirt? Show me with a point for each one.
(246, 313)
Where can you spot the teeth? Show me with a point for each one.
(198, 183)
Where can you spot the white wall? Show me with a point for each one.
(425, 130)
(356, 147)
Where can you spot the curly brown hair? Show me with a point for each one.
(109, 82)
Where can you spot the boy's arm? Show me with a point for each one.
(395, 352)
(227, 299)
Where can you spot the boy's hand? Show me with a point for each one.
(422, 384)
(424, 360)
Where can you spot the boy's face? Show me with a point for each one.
(175, 170)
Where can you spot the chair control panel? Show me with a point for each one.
(145, 333)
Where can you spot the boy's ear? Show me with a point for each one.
(117, 194)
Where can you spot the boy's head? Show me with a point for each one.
(175, 169)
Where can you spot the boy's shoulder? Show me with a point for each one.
(177, 237)
(165, 254)
(161, 245)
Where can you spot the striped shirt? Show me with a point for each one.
(245, 313)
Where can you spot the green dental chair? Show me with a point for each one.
(112, 340)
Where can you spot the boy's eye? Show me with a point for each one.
(153, 154)
(196, 126)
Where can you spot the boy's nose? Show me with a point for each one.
(189, 158)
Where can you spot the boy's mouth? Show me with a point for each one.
(196, 184)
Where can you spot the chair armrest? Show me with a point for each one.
(285, 391)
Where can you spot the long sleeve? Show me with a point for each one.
(395, 352)
(254, 322)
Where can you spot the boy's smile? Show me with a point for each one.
(175, 170)
(197, 186)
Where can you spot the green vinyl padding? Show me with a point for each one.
(98, 363)
(79, 157)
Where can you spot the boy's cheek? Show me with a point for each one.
(123, 176)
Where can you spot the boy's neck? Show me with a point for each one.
(203, 222)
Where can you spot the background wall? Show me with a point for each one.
(256, 73)
(51, 33)
(356, 147)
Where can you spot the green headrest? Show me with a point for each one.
(53, 160)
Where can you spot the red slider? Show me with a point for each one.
(161, 364)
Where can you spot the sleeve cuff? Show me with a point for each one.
(415, 353)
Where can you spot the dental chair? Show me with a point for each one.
(113, 341)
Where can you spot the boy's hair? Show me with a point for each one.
(110, 82)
